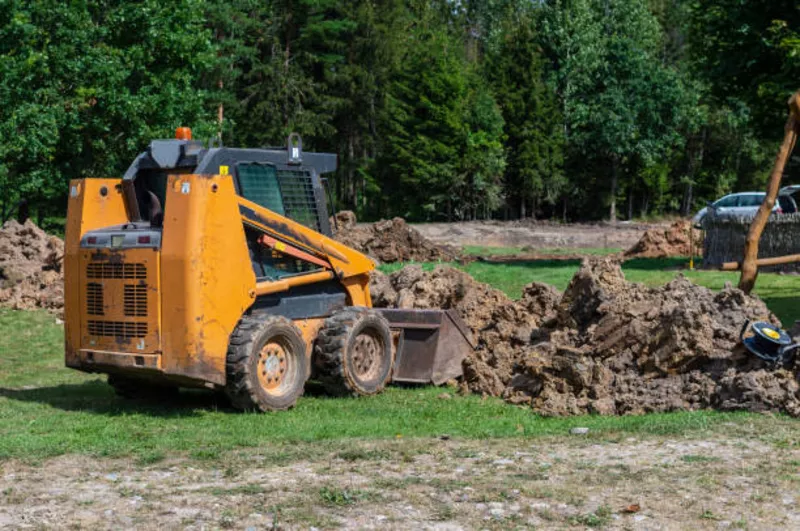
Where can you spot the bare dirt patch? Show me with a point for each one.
(30, 268)
(605, 345)
(633, 483)
(536, 234)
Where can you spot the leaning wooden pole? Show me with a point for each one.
(749, 262)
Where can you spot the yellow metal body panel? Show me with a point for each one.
(88, 208)
(207, 278)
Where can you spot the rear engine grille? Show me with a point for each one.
(94, 299)
(103, 270)
(117, 329)
(135, 300)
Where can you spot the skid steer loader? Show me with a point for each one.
(214, 267)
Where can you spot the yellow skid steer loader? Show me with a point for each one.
(214, 267)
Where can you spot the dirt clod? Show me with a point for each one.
(605, 345)
(662, 242)
(390, 240)
(30, 268)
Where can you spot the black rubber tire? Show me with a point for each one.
(243, 386)
(140, 389)
(334, 362)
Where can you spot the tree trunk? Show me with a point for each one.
(630, 204)
(749, 266)
(694, 164)
(522, 213)
(612, 210)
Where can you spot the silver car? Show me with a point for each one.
(745, 204)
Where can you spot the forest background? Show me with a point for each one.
(439, 110)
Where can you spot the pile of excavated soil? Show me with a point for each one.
(670, 241)
(30, 268)
(606, 345)
(390, 240)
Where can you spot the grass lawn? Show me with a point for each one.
(48, 410)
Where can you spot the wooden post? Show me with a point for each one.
(749, 263)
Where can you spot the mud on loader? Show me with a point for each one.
(214, 267)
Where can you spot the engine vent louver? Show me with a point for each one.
(135, 300)
(117, 329)
(94, 299)
(106, 270)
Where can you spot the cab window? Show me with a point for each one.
(259, 183)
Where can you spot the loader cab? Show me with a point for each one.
(287, 181)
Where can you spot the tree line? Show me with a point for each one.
(438, 110)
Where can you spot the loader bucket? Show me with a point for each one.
(431, 345)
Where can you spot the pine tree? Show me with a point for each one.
(534, 130)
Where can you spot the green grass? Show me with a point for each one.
(480, 250)
(48, 410)
(780, 292)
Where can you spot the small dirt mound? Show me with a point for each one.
(606, 345)
(665, 242)
(391, 240)
(30, 268)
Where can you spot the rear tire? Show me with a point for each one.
(353, 352)
(140, 389)
(266, 364)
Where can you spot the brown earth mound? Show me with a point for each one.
(664, 242)
(30, 268)
(606, 345)
(390, 240)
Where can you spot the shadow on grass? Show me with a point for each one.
(786, 308)
(97, 397)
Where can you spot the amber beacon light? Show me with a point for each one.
(183, 133)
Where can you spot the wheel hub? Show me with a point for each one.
(272, 365)
(367, 356)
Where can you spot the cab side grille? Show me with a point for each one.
(103, 270)
(135, 300)
(94, 299)
(117, 329)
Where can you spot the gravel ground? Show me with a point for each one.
(581, 481)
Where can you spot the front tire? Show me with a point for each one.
(353, 352)
(266, 364)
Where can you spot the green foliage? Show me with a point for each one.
(437, 110)
(442, 156)
(85, 85)
(534, 124)
(623, 107)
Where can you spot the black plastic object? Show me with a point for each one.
(768, 342)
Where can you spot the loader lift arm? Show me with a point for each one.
(292, 238)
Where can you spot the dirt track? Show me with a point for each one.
(541, 235)
(732, 482)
